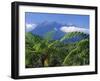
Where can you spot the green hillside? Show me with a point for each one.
(45, 52)
(73, 34)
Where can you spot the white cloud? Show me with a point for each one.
(67, 29)
(30, 27)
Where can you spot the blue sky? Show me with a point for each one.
(78, 20)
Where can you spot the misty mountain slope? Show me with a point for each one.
(45, 27)
(74, 37)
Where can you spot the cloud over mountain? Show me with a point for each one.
(30, 27)
(67, 29)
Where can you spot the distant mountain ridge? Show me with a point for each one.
(43, 28)
(74, 37)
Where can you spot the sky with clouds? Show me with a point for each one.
(73, 29)
(81, 22)
(30, 26)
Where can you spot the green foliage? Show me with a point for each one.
(46, 52)
(72, 34)
(79, 55)
(49, 35)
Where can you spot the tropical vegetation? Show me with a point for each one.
(47, 52)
